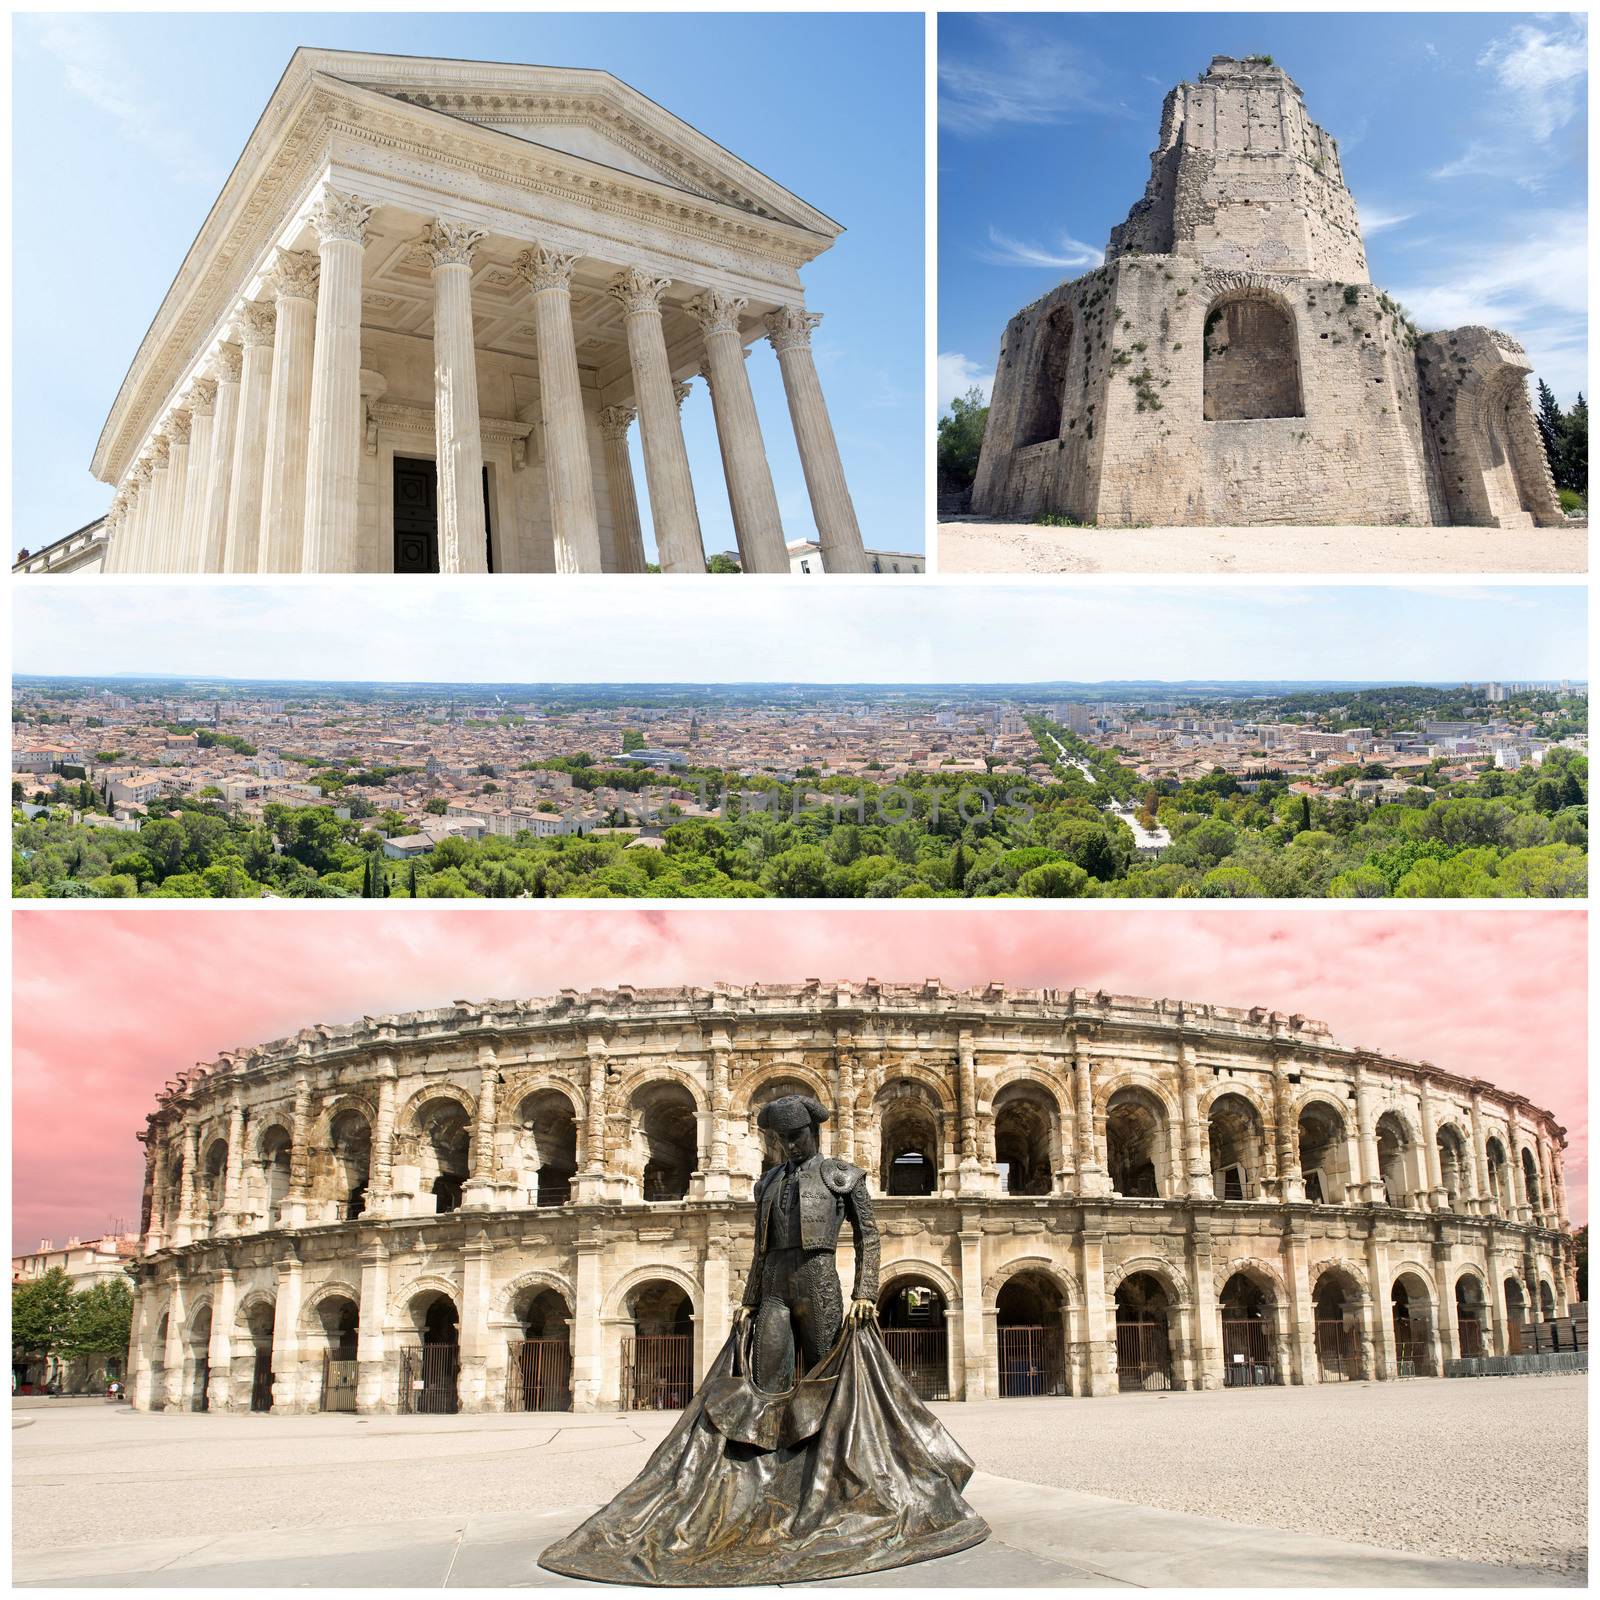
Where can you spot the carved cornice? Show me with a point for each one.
(542, 268)
(638, 292)
(789, 327)
(257, 320)
(294, 274)
(717, 313)
(615, 422)
(338, 215)
(405, 418)
(451, 244)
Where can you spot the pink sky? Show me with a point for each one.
(109, 1004)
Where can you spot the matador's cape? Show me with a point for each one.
(846, 1473)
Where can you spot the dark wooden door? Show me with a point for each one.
(416, 515)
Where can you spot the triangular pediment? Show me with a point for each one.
(577, 111)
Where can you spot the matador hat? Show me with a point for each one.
(791, 1111)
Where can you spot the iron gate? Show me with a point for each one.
(1412, 1355)
(202, 1384)
(338, 1384)
(1248, 1358)
(539, 1377)
(261, 1383)
(1517, 1340)
(1032, 1361)
(922, 1354)
(1471, 1331)
(1144, 1358)
(428, 1380)
(657, 1372)
(1338, 1352)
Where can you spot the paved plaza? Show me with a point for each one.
(1441, 1483)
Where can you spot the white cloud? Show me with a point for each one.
(1067, 252)
(1530, 278)
(956, 375)
(1375, 219)
(1027, 77)
(1540, 76)
(96, 71)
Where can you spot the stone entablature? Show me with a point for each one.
(595, 1142)
(1232, 364)
(431, 261)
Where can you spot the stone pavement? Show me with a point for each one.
(1043, 1538)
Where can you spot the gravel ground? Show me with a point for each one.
(1490, 1469)
(979, 546)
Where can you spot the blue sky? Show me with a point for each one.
(916, 631)
(143, 116)
(1463, 139)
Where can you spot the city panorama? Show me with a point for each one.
(193, 788)
(543, 1204)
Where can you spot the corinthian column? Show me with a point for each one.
(568, 473)
(178, 426)
(666, 461)
(155, 538)
(243, 547)
(463, 539)
(627, 538)
(137, 489)
(751, 497)
(281, 547)
(333, 465)
(790, 332)
(202, 406)
(219, 477)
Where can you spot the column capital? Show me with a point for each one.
(790, 327)
(639, 293)
(160, 450)
(615, 422)
(230, 362)
(451, 244)
(540, 267)
(293, 274)
(338, 215)
(139, 474)
(203, 396)
(715, 312)
(680, 393)
(179, 421)
(258, 319)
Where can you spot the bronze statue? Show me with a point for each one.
(783, 1469)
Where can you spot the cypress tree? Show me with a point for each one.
(1549, 420)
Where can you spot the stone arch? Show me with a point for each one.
(438, 1089)
(661, 1152)
(1396, 1141)
(1040, 1077)
(335, 1107)
(1353, 1272)
(1415, 1269)
(1547, 1299)
(1250, 354)
(518, 1086)
(310, 1320)
(202, 1306)
(910, 1124)
(919, 1267)
(615, 1305)
(1474, 1310)
(537, 1278)
(620, 1095)
(1158, 1091)
(1170, 1277)
(1532, 1177)
(1497, 1164)
(1237, 1143)
(1413, 1315)
(401, 1300)
(1455, 1159)
(1044, 386)
(1025, 1130)
(541, 1143)
(1244, 1091)
(916, 1072)
(254, 1300)
(1256, 1268)
(1063, 1280)
(1322, 1140)
(741, 1100)
(1138, 1142)
(762, 1144)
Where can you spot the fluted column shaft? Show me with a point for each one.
(281, 547)
(333, 466)
(569, 479)
(219, 477)
(627, 536)
(155, 537)
(751, 497)
(666, 460)
(125, 551)
(178, 427)
(243, 548)
(202, 429)
(831, 506)
(463, 536)
(143, 492)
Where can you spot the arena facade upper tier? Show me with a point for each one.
(545, 1204)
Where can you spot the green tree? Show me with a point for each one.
(960, 440)
(41, 1316)
(1549, 420)
(1574, 473)
(100, 1320)
(722, 562)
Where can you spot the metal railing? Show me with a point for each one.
(338, 1384)
(539, 1375)
(1144, 1356)
(657, 1372)
(1033, 1361)
(1338, 1352)
(428, 1380)
(1249, 1358)
(923, 1355)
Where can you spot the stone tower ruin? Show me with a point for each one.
(1232, 362)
